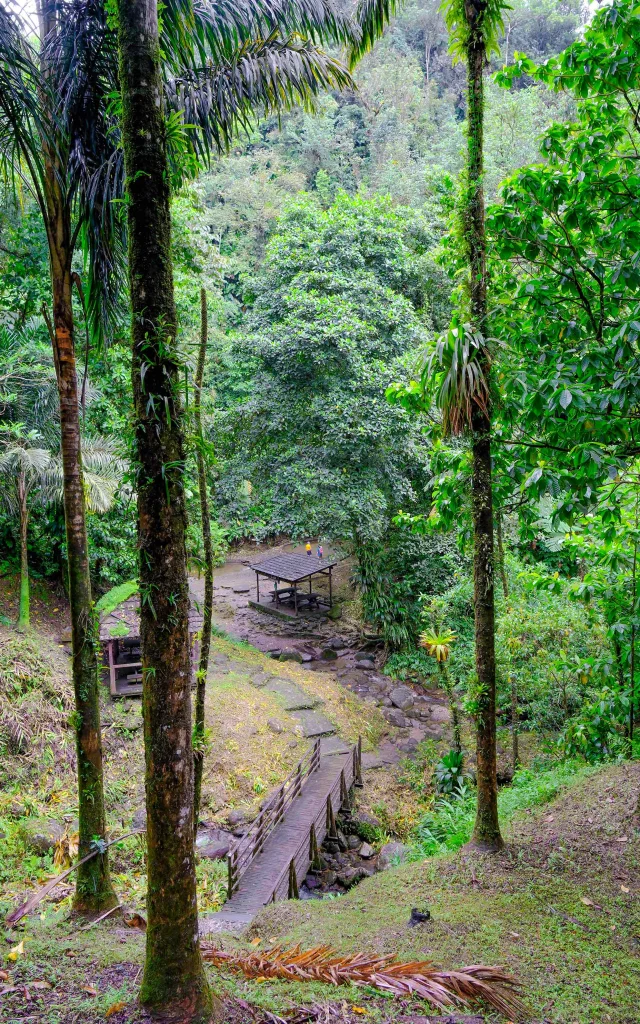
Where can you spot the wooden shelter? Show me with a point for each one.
(293, 570)
(120, 638)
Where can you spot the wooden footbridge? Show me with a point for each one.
(272, 858)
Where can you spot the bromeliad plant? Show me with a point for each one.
(438, 645)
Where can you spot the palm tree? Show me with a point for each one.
(59, 131)
(22, 467)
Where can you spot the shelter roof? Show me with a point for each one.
(124, 620)
(293, 568)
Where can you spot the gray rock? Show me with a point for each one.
(395, 717)
(236, 817)
(367, 851)
(439, 714)
(328, 654)
(17, 810)
(336, 643)
(390, 853)
(354, 842)
(291, 655)
(40, 836)
(402, 697)
(329, 877)
(293, 697)
(139, 818)
(342, 841)
(312, 882)
(276, 726)
(214, 851)
(350, 877)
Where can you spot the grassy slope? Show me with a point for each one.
(579, 962)
(523, 909)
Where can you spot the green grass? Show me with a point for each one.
(450, 824)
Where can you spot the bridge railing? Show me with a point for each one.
(250, 845)
(324, 824)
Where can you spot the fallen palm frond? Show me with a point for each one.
(468, 985)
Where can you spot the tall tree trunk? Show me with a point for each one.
(174, 983)
(94, 891)
(23, 607)
(205, 643)
(501, 567)
(486, 833)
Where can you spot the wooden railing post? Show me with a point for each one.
(332, 831)
(294, 893)
(357, 772)
(344, 792)
(314, 851)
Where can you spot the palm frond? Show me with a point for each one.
(197, 31)
(23, 124)
(491, 985)
(261, 76)
(371, 17)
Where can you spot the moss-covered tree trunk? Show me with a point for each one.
(94, 891)
(207, 611)
(23, 607)
(174, 984)
(486, 834)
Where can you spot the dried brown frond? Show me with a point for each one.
(490, 985)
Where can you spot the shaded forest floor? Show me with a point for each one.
(560, 908)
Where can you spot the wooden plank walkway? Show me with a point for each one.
(288, 849)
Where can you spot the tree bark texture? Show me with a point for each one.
(23, 607)
(94, 891)
(174, 984)
(207, 611)
(486, 833)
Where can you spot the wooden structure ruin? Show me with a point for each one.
(120, 639)
(293, 570)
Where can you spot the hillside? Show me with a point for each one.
(560, 907)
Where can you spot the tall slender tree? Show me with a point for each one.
(174, 980)
(459, 370)
(474, 27)
(205, 520)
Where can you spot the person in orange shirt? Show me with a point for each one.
(308, 548)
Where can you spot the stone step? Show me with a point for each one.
(292, 697)
(314, 724)
(333, 745)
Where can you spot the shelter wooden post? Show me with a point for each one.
(330, 588)
(258, 587)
